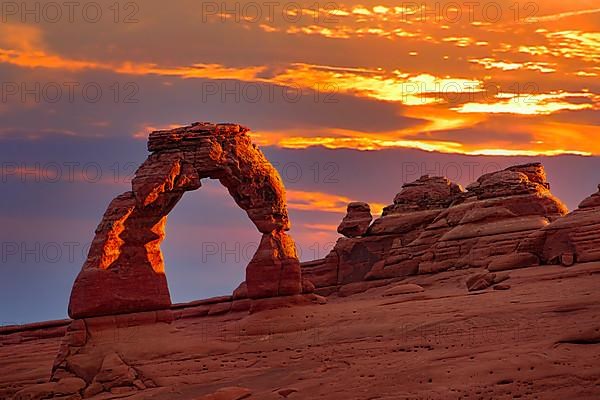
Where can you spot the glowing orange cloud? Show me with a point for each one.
(365, 143)
(434, 62)
(326, 202)
(532, 104)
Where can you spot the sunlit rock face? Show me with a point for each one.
(124, 271)
(434, 226)
(274, 270)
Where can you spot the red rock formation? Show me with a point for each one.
(426, 193)
(357, 220)
(352, 259)
(542, 335)
(572, 239)
(505, 220)
(434, 226)
(483, 225)
(90, 351)
(124, 271)
(349, 261)
(274, 270)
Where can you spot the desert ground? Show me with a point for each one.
(538, 338)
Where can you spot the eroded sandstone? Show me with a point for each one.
(538, 339)
(433, 226)
(357, 220)
(574, 238)
(124, 271)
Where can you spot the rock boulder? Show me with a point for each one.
(357, 220)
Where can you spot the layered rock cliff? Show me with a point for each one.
(504, 220)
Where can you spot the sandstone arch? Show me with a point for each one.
(124, 271)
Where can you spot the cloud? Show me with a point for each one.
(532, 104)
(568, 44)
(396, 86)
(40, 59)
(365, 143)
(568, 14)
(489, 63)
(322, 202)
(384, 96)
(21, 36)
(17, 133)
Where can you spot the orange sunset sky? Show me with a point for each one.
(348, 99)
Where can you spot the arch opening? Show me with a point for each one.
(208, 244)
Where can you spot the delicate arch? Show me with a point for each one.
(124, 271)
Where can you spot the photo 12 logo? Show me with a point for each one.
(67, 172)
(52, 12)
(257, 92)
(454, 12)
(68, 92)
(270, 11)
